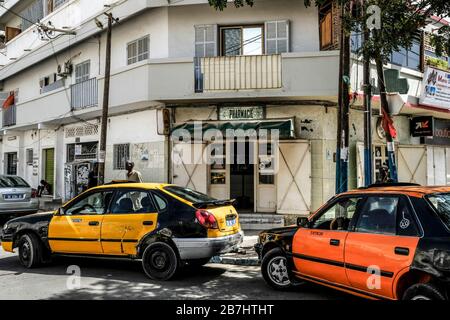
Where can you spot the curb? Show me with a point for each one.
(251, 261)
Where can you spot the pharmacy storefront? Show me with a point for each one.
(244, 155)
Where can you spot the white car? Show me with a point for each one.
(16, 197)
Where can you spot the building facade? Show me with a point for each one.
(175, 65)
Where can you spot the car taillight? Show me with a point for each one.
(206, 219)
(33, 193)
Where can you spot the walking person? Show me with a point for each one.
(132, 175)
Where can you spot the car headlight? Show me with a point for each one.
(5, 226)
(441, 259)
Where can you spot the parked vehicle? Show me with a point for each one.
(383, 242)
(16, 197)
(165, 226)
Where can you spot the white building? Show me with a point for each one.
(275, 61)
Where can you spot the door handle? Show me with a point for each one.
(94, 223)
(147, 223)
(335, 242)
(402, 251)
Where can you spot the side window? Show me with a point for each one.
(129, 202)
(96, 203)
(160, 202)
(378, 216)
(406, 224)
(339, 216)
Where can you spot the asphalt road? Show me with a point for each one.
(106, 279)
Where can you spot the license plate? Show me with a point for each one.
(231, 223)
(13, 196)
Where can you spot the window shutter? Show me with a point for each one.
(206, 40)
(277, 37)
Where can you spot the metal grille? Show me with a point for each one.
(88, 150)
(121, 155)
(9, 116)
(84, 94)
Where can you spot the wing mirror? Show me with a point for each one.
(60, 212)
(302, 222)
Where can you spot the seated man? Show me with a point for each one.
(44, 188)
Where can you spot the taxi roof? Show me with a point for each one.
(125, 185)
(413, 191)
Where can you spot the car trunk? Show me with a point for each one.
(225, 214)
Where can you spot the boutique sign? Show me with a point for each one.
(436, 88)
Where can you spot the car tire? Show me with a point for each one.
(30, 250)
(424, 291)
(160, 261)
(274, 270)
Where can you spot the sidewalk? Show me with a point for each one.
(246, 256)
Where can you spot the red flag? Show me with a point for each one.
(9, 101)
(388, 124)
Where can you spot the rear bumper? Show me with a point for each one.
(199, 248)
(19, 207)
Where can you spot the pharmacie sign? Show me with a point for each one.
(241, 113)
(436, 88)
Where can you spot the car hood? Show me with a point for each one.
(289, 230)
(33, 217)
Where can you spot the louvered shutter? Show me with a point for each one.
(277, 37)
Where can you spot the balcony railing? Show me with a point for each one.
(9, 116)
(84, 94)
(238, 73)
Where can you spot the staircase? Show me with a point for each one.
(258, 221)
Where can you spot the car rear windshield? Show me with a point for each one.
(189, 194)
(441, 203)
(13, 182)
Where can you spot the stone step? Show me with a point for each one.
(257, 221)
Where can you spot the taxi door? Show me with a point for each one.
(76, 229)
(382, 245)
(318, 249)
(132, 215)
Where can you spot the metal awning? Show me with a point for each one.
(285, 127)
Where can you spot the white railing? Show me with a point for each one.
(238, 73)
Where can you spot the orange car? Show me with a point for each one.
(382, 242)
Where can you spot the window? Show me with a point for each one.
(406, 224)
(121, 155)
(378, 216)
(50, 83)
(160, 202)
(441, 204)
(206, 41)
(266, 163)
(82, 71)
(189, 194)
(409, 58)
(218, 163)
(129, 202)
(242, 40)
(11, 163)
(58, 3)
(138, 50)
(29, 154)
(277, 37)
(82, 151)
(32, 14)
(326, 26)
(339, 216)
(93, 204)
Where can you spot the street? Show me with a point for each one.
(124, 280)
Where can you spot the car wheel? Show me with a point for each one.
(30, 251)
(160, 262)
(275, 270)
(424, 291)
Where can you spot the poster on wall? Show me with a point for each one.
(435, 88)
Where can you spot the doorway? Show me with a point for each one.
(11, 163)
(49, 167)
(242, 175)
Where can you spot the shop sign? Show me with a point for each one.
(441, 133)
(436, 88)
(241, 113)
(422, 127)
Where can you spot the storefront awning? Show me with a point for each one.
(285, 127)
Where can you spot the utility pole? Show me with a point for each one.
(343, 136)
(368, 174)
(102, 153)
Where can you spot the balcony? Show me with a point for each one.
(238, 73)
(9, 116)
(84, 94)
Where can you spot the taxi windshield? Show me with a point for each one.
(441, 204)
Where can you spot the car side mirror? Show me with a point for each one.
(60, 212)
(302, 222)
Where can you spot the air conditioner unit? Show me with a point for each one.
(65, 71)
